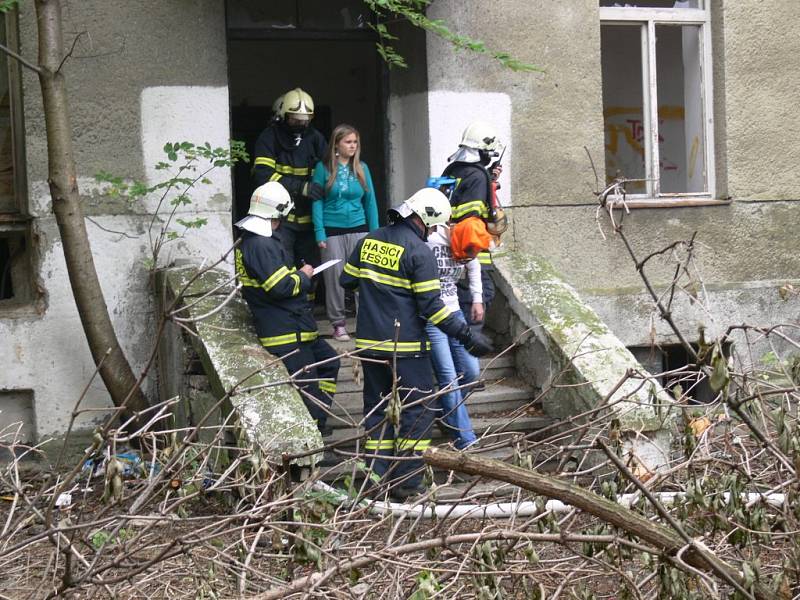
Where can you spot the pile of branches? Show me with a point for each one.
(153, 511)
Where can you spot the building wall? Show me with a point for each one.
(144, 73)
(746, 248)
(407, 118)
(150, 72)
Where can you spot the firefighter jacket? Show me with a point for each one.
(397, 279)
(471, 196)
(276, 293)
(281, 155)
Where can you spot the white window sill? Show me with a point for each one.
(673, 202)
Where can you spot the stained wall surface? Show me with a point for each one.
(746, 247)
(141, 74)
(150, 72)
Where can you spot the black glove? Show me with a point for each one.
(476, 342)
(315, 191)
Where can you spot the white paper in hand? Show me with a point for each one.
(326, 265)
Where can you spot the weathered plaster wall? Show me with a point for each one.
(408, 135)
(745, 249)
(143, 74)
(553, 114)
(762, 82)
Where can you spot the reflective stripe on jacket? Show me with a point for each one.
(397, 278)
(276, 293)
(471, 196)
(278, 157)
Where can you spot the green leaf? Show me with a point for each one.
(100, 539)
(720, 377)
(138, 189)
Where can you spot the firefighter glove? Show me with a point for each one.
(476, 342)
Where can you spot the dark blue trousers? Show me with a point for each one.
(313, 393)
(412, 436)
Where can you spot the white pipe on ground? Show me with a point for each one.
(504, 510)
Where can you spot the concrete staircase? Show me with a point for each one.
(506, 407)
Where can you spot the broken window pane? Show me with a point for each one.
(15, 269)
(653, 4)
(623, 112)
(680, 110)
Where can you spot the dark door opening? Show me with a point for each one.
(323, 47)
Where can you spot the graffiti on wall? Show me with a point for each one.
(624, 136)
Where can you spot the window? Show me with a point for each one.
(656, 61)
(673, 359)
(15, 266)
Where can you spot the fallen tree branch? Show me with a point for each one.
(663, 538)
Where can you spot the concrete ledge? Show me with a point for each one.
(568, 344)
(270, 420)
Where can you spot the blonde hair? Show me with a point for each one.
(332, 160)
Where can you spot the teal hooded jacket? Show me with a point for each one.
(347, 204)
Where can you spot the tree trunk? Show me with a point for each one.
(115, 370)
(663, 538)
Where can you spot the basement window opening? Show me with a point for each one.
(6, 281)
(657, 111)
(15, 282)
(666, 358)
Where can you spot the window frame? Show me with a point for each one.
(20, 214)
(16, 222)
(649, 18)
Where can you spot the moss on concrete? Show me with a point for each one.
(268, 410)
(575, 339)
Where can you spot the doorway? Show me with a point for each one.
(323, 47)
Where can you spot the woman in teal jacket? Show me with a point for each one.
(345, 214)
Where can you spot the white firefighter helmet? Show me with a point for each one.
(297, 103)
(270, 201)
(481, 136)
(429, 204)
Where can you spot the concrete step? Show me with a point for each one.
(491, 368)
(500, 396)
(482, 425)
(347, 384)
(335, 466)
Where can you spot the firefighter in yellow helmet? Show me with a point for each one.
(286, 151)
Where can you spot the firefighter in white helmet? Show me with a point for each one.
(286, 151)
(476, 175)
(396, 276)
(277, 294)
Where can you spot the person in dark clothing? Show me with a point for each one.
(277, 294)
(286, 151)
(396, 275)
(469, 166)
